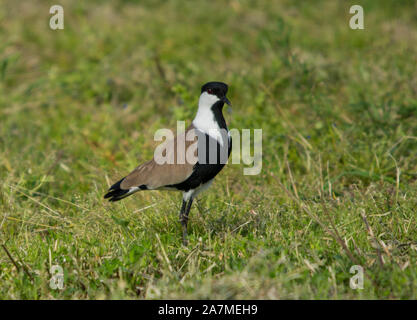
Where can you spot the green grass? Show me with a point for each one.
(338, 107)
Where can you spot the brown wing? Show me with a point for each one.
(155, 175)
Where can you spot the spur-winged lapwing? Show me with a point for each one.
(209, 147)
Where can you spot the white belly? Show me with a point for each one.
(195, 192)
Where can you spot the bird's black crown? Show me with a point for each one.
(217, 88)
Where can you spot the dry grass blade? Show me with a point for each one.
(14, 262)
(336, 234)
(164, 254)
(38, 202)
(34, 223)
(51, 197)
(376, 242)
(292, 180)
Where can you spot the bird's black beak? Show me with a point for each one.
(225, 100)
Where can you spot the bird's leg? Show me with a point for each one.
(184, 221)
(182, 209)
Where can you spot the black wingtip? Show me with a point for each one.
(115, 193)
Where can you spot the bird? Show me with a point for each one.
(207, 140)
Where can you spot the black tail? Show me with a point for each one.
(115, 193)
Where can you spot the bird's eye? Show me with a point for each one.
(210, 91)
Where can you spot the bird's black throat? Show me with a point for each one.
(217, 109)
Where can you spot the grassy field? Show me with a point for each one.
(79, 108)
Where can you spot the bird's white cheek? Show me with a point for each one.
(207, 100)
